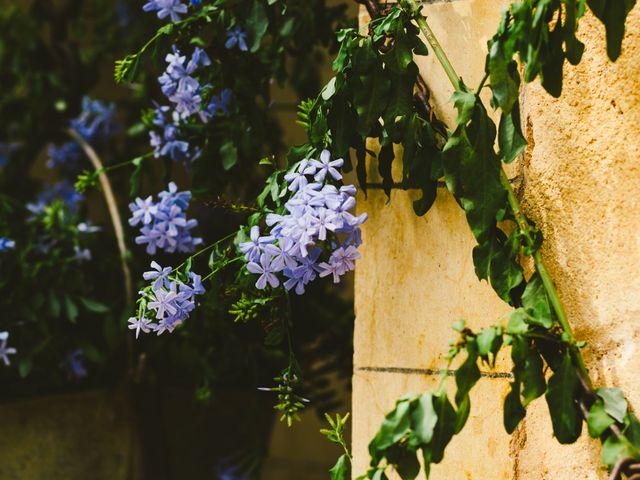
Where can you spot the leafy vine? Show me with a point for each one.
(543, 35)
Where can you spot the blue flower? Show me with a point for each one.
(81, 254)
(171, 299)
(266, 272)
(6, 244)
(317, 220)
(166, 8)
(220, 104)
(6, 149)
(74, 365)
(165, 224)
(4, 350)
(95, 120)
(236, 36)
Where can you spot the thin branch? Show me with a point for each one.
(110, 199)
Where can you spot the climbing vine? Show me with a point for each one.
(541, 35)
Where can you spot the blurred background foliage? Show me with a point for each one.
(61, 288)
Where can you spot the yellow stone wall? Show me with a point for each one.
(579, 180)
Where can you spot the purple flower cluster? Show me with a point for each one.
(171, 299)
(164, 223)
(166, 8)
(316, 221)
(63, 191)
(6, 244)
(4, 350)
(95, 123)
(185, 93)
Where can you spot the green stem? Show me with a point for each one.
(521, 220)
(550, 289)
(213, 272)
(205, 249)
(433, 41)
(124, 164)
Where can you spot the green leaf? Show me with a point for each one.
(94, 306)
(257, 23)
(561, 398)
(468, 373)
(395, 426)
(385, 163)
(613, 14)
(25, 366)
(614, 448)
(614, 402)
(423, 419)
(597, 420)
(514, 412)
(445, 427)
(527, 369)
(489, 341)
(71, 309)
(510, 137)
(135, 182)
(503, 71)
(329, 89)
(370, 99)
(340, 471)
(535, 300)
(407, 465)
(228, 155)
(465, 102)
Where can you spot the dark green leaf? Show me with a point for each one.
(562, 400)
(228, 155)
(613, 13)
(407, 465)
(510, 137)
(445, 426)
(71, 309)
(535, 300)
(257, 23)
(385, 162)
(135, 182)
(468, 373)
(370, 99)
(514, 412)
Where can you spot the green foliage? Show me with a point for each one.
(342, 469)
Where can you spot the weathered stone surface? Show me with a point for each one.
(581, 185)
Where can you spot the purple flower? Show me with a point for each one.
(163, 302)
(254, 248)
(142, 211)
(168, 227)
(81, 254)
(4, 350)
(236, 36)
(327, 166)
(266, 272)
(159, 274)
(140, 324)
(166, 8)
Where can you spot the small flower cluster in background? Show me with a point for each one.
(164, 223)
(186, 94)
(95, 123)
(5, 351)
(169, 8)
(6, 244)
(167, 302)
(317, 221)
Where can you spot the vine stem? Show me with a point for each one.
(112, 206)
(521, 219)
